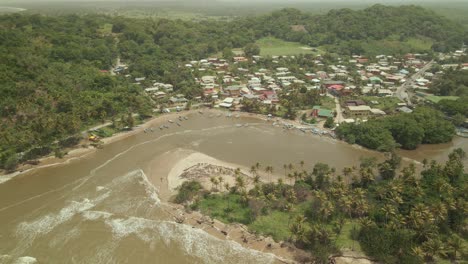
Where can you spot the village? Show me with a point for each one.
(336, 89)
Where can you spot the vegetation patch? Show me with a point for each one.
(271, 46)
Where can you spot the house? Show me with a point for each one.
(355, 102)
(376, 111)
(240, 59)
(178, 99)
(405, 109)
(233, 91)
(358, 111)
(227, 103)
(384, 92)
(375, 79)
(318, 111)
(269, 96)
(208, 79)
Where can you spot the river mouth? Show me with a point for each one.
(112, 203)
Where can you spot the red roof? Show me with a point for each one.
(268, 93)
(336, 87)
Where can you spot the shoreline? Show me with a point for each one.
(79, 152)
(164, 173)
(180, 165)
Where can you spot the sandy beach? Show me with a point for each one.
(169, 170)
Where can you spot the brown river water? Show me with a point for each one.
(103, 208)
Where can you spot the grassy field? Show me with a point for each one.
(105, 29)
(345, 240)
(274, 224)
(327, 103)
(270, 46)
(225, 208)
(436, 99)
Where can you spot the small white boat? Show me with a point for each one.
(238, 125)
(170, 121)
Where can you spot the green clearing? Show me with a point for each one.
(327, 103)
(436, 99)
(393, 45)
(105, 29)
(419, 43)
(275, 224)
(226, 208)
(270, 46)
(345, 240)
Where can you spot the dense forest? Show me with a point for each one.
(393, 214)
(452, 82)
(52, 86)
(407, 131)
(55, 79)
(350, 31)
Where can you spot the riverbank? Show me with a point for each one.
(78, 151)
(182, 165)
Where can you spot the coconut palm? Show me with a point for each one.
(214, 182)
(220, 181)
(240, 183)
(454, 245)
(257, 166)
(297, 228)
(253, 170)
(389, 211)
(290, 176)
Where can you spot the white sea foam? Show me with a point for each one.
(192, 241)
(95, 215)
(61, 238)
(25, 260)
(28, 231)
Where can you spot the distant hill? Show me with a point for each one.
(355, 29)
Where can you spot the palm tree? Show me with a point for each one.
(439, 210)
(455, 244)
(302, 164)
(297, 228)
(388, 211)
(257, 166)
(253, 170)
(269, 170)
(285, 167)
(220, 181)
(237, 171)
(326, 210)
(214, 182)
(432, 248)
(240, 183)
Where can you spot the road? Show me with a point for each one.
(401, 92)
(339, 113)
